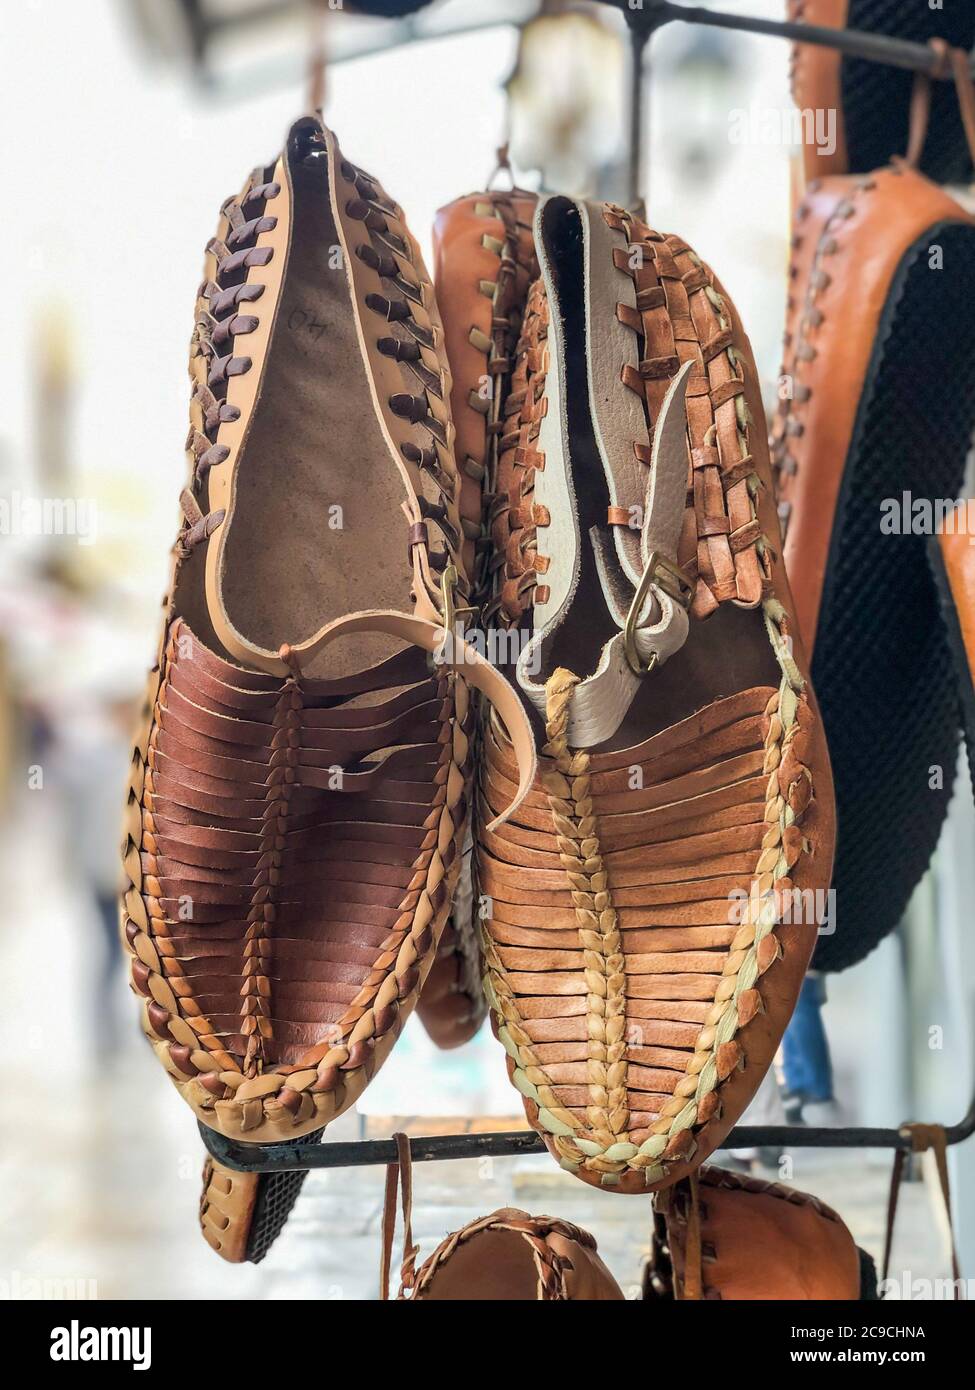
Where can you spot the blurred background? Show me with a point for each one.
(126, 123)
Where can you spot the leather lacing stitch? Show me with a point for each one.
(516, 259)
(388, 252)
(513, 515)
(219, 323)
(788, 424)
(666, 317)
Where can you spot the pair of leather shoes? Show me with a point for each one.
(522, 560)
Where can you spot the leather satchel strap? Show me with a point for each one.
(399, 1181)
(954, 62)
(923, 1138)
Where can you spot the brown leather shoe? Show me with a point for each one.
(870, 436)
(721, 1235)
(637, 970)
(882, 111)
(484, 263)
(298, 800)
(507, 1256)
(511, 1256)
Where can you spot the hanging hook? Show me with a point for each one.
(317, 60)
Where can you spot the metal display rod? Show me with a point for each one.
(292, 1156)
(649, 15)
(645, 17)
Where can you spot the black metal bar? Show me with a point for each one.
(638, 43)
(288, 1157)
(878, 48)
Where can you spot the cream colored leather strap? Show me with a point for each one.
(652, 615)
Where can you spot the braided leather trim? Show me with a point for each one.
(681, 315)
(453, 1005)
(535, 1230)
(710, 1176)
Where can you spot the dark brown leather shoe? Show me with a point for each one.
(869, 447)
(643, 939)
(722, 1235)
(298, 799)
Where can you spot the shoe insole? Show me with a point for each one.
(317, 530)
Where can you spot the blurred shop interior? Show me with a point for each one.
(127, 122)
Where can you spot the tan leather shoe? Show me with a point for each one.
(881, 111)
(298, 799)
(637, 970)
(721, 1235)
(484, 263)
(869, 446)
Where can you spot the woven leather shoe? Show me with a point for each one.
(484, 263)
(882, 267)
(298, 799)
(644, 939)
(721, 1235)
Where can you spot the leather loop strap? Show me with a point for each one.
(447, 648)
(693, 1269)
(399, 1179)
(965, 87)
(918, 117)
(922, 1137)
(653, 622)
